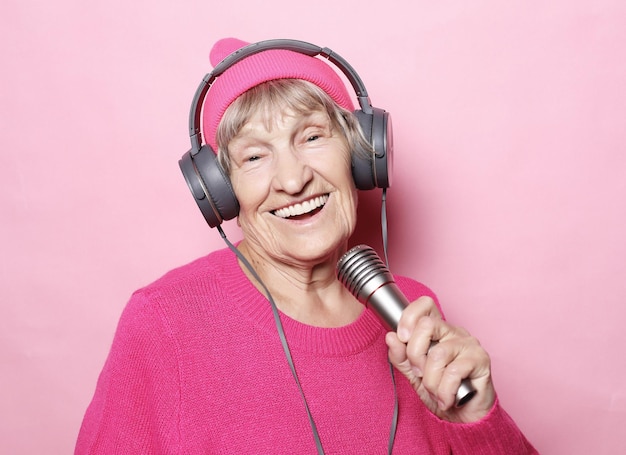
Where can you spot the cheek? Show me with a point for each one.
(248, 191)
(347, 201)
(354, 203)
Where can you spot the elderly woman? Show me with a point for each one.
(197, 364)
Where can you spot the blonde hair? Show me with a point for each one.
(298, 95)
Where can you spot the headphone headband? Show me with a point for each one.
(301, 47)
(208, 182)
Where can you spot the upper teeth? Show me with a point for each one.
(302, 208)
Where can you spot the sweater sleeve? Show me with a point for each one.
(135, 407)
(494, 434)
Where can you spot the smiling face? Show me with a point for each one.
(292, 177)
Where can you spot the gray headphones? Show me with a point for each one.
(209, 184)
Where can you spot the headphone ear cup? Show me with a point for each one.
(362, 166)
(209, 185)
(382, 142)
(374, 171)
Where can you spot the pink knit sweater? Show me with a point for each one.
(196, 367)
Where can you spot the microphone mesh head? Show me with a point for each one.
(362, 271)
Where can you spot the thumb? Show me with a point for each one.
(398, 358)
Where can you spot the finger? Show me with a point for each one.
(397, 349)
(420, 342)
(434, 364)
(423, 306)
(454, 373)
(398, 358)
(445, 343)
(455, 357)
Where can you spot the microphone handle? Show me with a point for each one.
(364, 274)
(389, 313)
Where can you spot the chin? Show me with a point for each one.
(324, 249)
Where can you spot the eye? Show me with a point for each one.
(247, 159)
(313, 137)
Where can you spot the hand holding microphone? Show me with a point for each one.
(365, 275)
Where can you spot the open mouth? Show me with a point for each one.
(302, 209)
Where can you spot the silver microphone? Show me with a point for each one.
(367, 277)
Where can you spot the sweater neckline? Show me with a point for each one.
(336, 341)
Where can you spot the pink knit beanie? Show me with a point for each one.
(258, 68)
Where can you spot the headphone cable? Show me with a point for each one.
(394, 419)
(281, 334)
(285, 345)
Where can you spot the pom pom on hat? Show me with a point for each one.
(261, 67)
(223, 48)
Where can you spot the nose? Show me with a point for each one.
(291, 172)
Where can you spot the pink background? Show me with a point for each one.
(508, 198)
